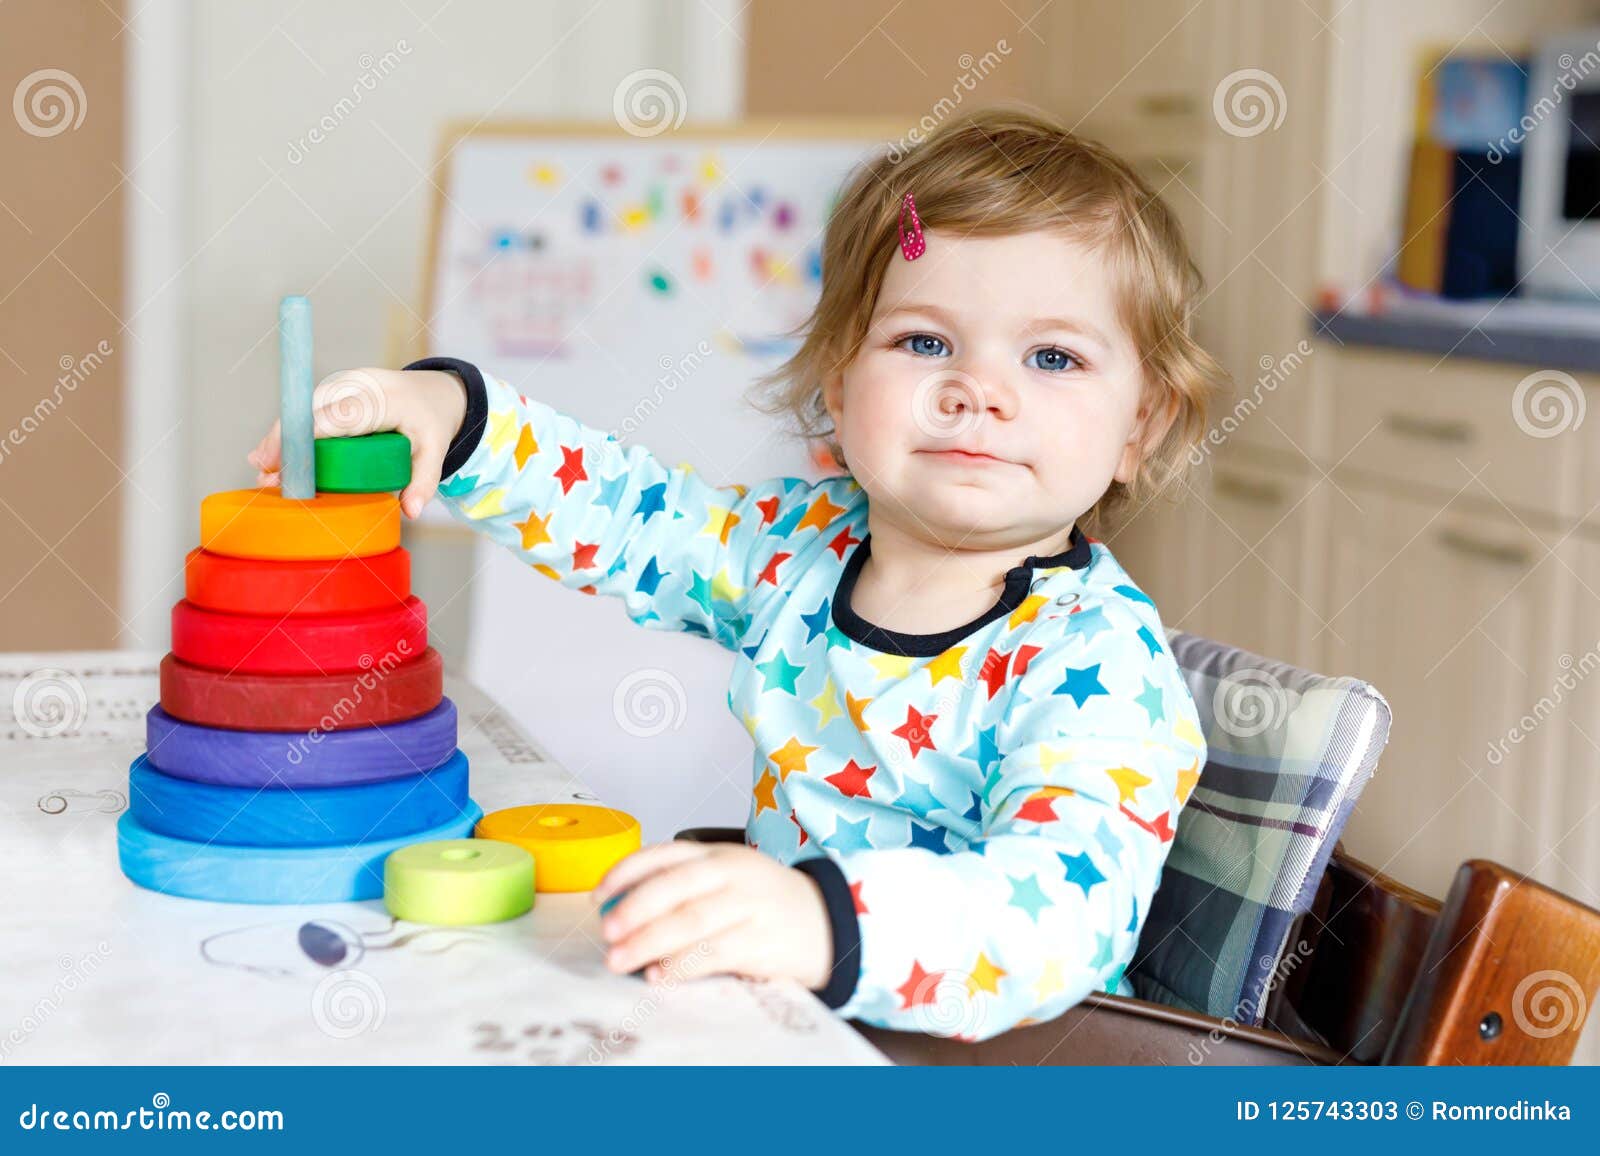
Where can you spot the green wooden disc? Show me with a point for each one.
(379, 463)
(458, 881)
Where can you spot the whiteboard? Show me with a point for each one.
(640, 285)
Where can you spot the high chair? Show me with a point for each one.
(1267, 943)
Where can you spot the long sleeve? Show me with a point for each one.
(1085, 771)
(584, 510)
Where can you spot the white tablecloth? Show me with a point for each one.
(96, 969)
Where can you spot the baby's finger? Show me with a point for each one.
(265, 456)
(662, 892)
(643, 863)
(426, 463)
(736, 949)
(266, 480)
(686, 930)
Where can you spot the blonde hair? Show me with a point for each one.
(1002, 171)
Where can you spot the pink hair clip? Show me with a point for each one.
(912, 244)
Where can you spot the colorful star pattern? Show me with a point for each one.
(997, 804)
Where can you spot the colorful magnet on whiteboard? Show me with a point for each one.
(268, 759)
(658, 281)
(691, 206)
(268, 874)
(378, 463)
(295, 387)
(611, 174)
(303, 817)
(592, 221)
(783, 215)
(299, 643)
(702, 264)
(302, 702)
(575, 844)
(316, 586)
(456, 882)
(265, 524)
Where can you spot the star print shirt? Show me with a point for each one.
(986, 811)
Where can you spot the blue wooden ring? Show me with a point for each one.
(268, 874)
(339, 758)
(307, 817)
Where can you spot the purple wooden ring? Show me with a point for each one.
(338, 758)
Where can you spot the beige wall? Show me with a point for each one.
(62, 343)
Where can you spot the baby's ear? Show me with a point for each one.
(1155, 418)
(833, 395)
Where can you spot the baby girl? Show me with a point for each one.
(972, 743)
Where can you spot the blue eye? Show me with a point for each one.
(1052, 360)
(924, 345)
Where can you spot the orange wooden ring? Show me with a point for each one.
(299, 643)
(313, 586)
(302, 702)
(264, 524)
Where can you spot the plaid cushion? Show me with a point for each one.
(1289, 753)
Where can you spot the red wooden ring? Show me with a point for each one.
(302, 702)
(331, 586)
(299, 643)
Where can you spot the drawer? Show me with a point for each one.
(1398, 417)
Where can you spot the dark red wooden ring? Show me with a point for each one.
(301, 702)
(328, 586)
(299, 643)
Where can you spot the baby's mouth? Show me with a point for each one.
(955, 456)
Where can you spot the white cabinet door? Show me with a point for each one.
(1460, 620)
(1260, 584)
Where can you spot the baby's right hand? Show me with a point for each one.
(428, 406)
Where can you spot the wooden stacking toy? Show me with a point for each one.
(303, 734)
(458, 881)
(377, 462)
(574, 844)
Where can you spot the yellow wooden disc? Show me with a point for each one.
(573, 844)
(264, 524)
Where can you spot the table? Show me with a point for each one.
(98, 970)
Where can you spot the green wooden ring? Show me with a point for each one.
(458, 882)
(378, 463)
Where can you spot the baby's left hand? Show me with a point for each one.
(712, 908)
